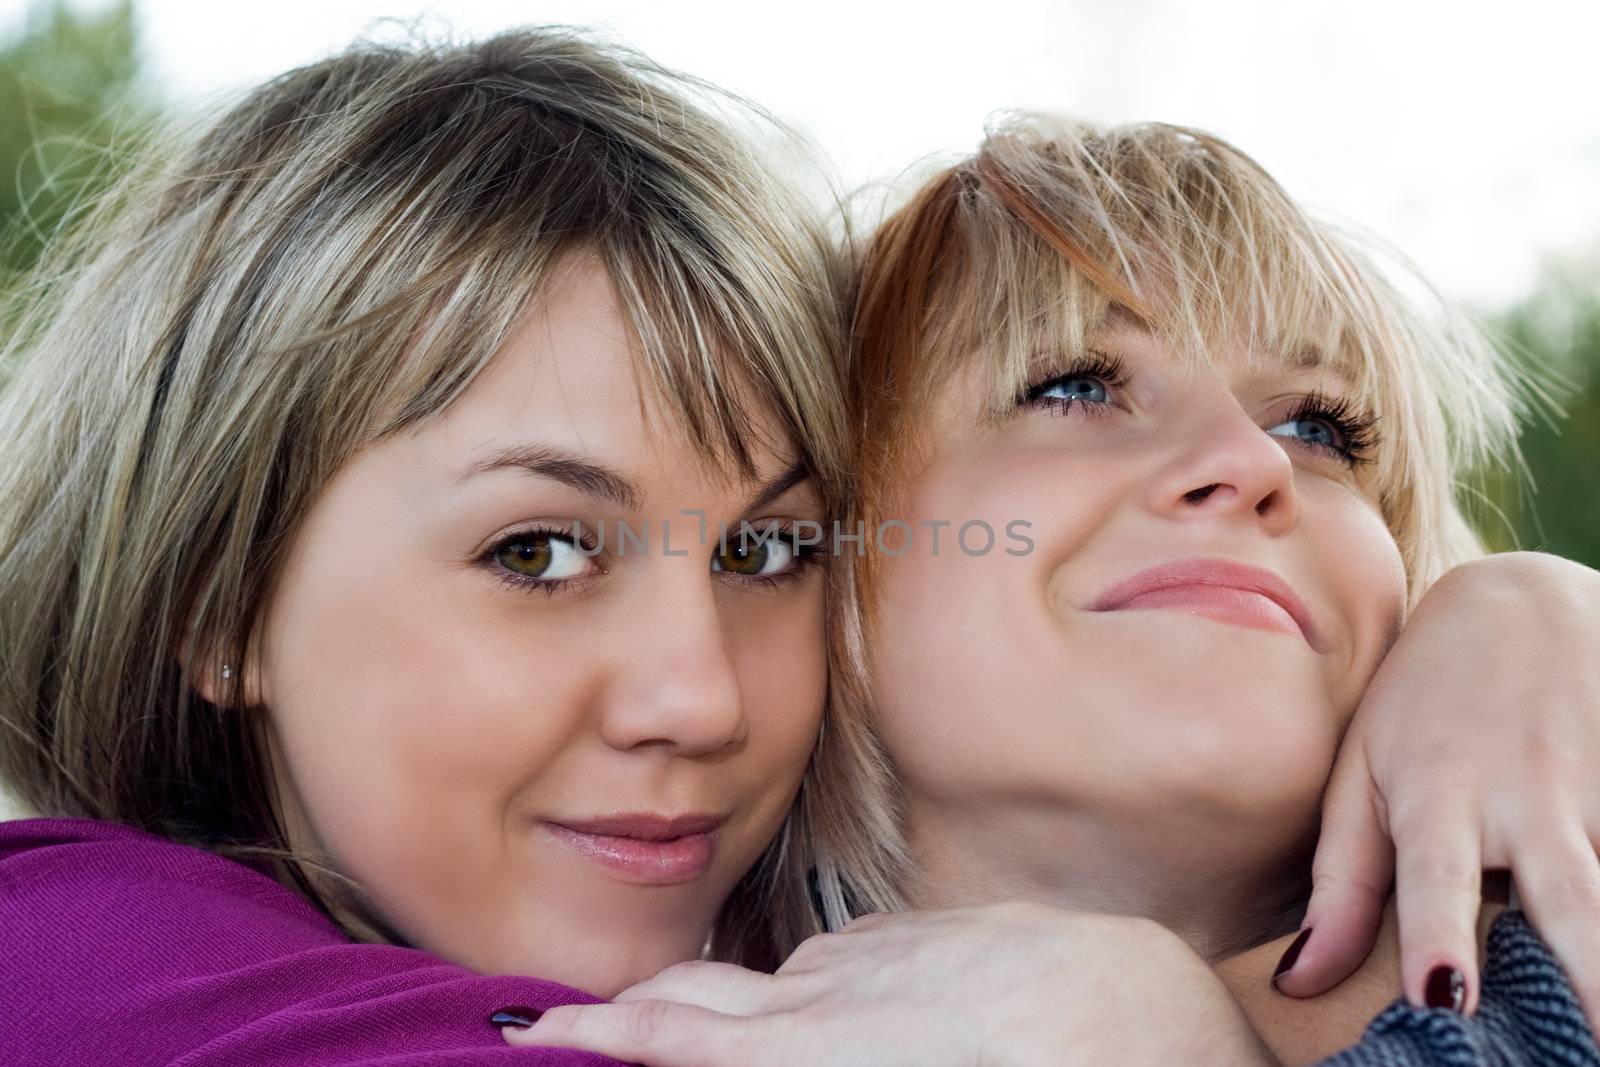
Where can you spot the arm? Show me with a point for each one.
(1476, 747)
(120, 947)
(998, 984)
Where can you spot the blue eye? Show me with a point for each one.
(1082, 388)
(1088, 383)
(1334, 426)
(1311, 431)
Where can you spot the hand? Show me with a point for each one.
(999, 984)
(1477, 746)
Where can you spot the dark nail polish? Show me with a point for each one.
(515, 1015)
(1291, 954)
(1446, 988)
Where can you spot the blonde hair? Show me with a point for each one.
(331, 262)
(1015, 256)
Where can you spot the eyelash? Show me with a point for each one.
(522, 582)
(1357, 428)
(805, 556)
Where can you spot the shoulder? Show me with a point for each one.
(121, 946)
(53, 871)
(50, 864)
(1527, 1014)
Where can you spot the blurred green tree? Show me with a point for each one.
(71, 118)
(1557, 327)
(71, 115)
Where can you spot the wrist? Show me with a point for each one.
(1521, 573)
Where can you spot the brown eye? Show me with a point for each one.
(754, 556)
(540, 555)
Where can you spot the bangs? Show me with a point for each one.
(404, 265)
(1059, 230)
(701, 353)
(1164, 230)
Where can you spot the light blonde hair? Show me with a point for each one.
(1015, 256)
(332, 261)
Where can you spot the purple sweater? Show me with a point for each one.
(118, 947)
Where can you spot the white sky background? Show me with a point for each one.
(1467, 134)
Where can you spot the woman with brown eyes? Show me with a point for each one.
(354, 733)
(1235, 446)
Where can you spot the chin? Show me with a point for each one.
(1195, 736)
(1240, 766)
(617, 965)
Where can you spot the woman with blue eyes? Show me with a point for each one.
(1235, 446)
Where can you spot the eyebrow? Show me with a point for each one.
(796, 473)
(597, 480)
(1119, 317)
(566, 467)
(1310, 357)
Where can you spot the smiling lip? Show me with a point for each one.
(1218, 589)
(645, 849)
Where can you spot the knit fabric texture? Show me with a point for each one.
(1528, 1016)
(120, 947)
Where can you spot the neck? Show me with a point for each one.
(1306, 1031)
(1222, 889)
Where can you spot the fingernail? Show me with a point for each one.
(515, 1015)
(1446, 988)
(1291, 954)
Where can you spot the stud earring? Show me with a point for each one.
(227, 672)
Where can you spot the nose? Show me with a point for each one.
(1224, 465)
(675, 685)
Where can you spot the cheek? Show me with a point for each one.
(1366, 581)
(778, 646)
(968, 673)
(411, 712)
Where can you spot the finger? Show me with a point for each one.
(867, 922)
(655, 1032)
(1438, 891)
(813, 954)
(818, 950)
(1349, 885)
(1558, 884)
(719, 987)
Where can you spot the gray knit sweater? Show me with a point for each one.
(1527, 1015)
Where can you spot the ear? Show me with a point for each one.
(223, 680)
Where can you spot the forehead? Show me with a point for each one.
(571, 375)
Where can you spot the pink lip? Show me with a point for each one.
(1219, 589)
(646, 849)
